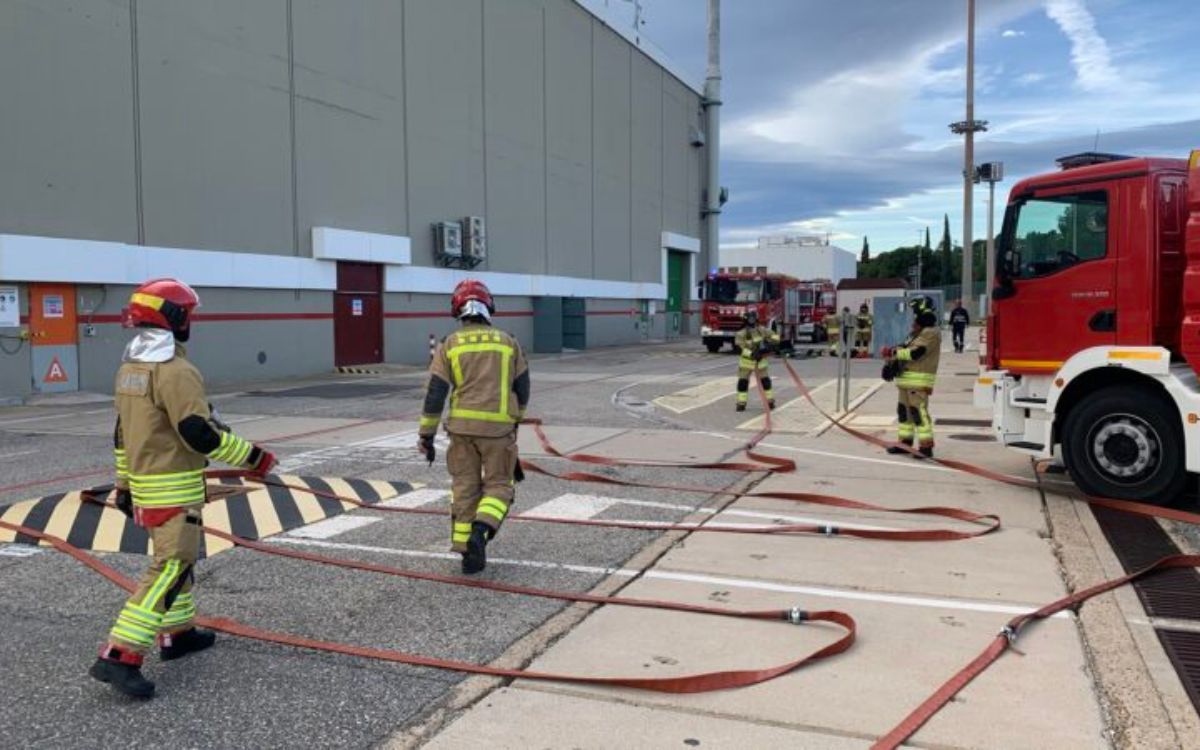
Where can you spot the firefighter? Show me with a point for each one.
(164, 437)
(862, 336)
(959, 320)
(753, 342)
(483, 371)
(833, 331)
(913, 368)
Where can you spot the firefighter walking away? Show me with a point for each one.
(959, 320)
(913, 368)
(753, 343)
(483, 372)
(165, 435)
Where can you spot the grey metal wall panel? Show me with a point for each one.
(678, 159)
(611, 322)
(611, 153)
(66, 95)
(514, 117)
(646, 118)
(350, 154)
(414, 316)
(215, 124)
(569, 138)
(443, 72)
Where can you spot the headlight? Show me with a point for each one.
(705, 331)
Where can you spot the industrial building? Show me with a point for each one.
(801, 256)
(325, 172)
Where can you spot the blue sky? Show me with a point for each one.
(836, 112)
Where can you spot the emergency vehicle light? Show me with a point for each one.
(1194, 159)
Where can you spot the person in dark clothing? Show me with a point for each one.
(959, 320)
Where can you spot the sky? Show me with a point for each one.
(836, 111)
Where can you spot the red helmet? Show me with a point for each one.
(468, 290)
(163, 303)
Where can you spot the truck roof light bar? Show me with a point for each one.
(1087, 159)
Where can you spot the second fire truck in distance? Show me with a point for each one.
(783, 303)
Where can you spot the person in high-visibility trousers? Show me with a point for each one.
(913, 368)
(484, 373)
(862, 334)
(833, 331)
(753, 343)
(165, 435)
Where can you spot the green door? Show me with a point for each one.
(676, 289)
(574, 323)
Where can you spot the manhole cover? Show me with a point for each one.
(964, 422)
(968, 374)
(636, 403)
(973, 437)
(339, 391)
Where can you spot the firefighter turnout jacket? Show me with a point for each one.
(164, 435)
(918, 359)
(483, 371)
(750, 343)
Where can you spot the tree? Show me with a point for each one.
(866, 251)
(947, 251)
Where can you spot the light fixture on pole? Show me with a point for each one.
(991, 173)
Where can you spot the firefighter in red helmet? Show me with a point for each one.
(164, 437)
(483, 372)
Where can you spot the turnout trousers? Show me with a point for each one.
(481, 483)
(748, 367)
(163, 601)
(912, 411)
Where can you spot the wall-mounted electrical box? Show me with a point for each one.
(448, 243)
(474, 240)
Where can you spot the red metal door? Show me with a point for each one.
(358, 314)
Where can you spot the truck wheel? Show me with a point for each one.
(1126, 443)
(713, 346)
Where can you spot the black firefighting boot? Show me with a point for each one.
(740, 407)
(896, 450)
(474, 560)
(176, 645)
(123, 670)
(771, 404)
(926, 451)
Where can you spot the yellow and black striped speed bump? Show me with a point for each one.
(360, 371)
(253, 512)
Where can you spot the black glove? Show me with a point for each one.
(425, 445)
(124, 501)
(890, 370)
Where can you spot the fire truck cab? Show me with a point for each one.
(728, 296)
(1093, 339)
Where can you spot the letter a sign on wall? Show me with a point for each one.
(55, 373)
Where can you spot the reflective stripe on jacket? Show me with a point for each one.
(748, 340)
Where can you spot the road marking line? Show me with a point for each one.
(6, 456)
(756, 423)
(416, 498)
(666, 575)
(44, 417)
(18, 550)
(685, 398)
(331, 527)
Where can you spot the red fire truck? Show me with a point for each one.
(727, 297)
(1093, 342)
(817, 299)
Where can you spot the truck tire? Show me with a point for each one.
(1126, 443)
(713, 346)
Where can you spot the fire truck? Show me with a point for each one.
(817, 299)
(728, 296)
(1093, 340)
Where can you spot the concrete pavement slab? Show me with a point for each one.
(1014, 565)
(1044, 700)
(555, 720)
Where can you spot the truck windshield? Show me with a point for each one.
(729, 291)
(806, 296)
(1046, 235)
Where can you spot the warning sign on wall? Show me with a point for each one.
(56, 373)
(10, 312)
(52, 306)
(356, 307)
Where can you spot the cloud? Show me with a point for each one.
(1028, 79)
(1011, 33)
(1090, 54)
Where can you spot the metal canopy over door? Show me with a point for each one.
(574, 323)
(676, 292)
(358, 314)
(54, 338)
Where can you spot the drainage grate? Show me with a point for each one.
(964, 422)
(341, 391)
(1183, 648)
(973, 437)
(1137, 542)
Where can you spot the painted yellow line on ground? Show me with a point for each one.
(698, 396)
(780, 417)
